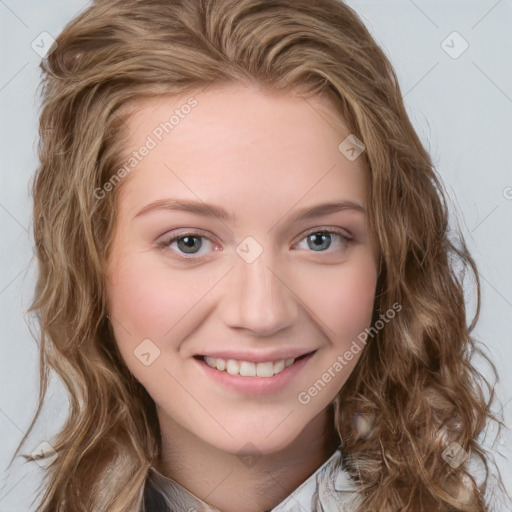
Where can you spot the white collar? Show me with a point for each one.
(329, 488)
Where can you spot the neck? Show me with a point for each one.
(224, 482)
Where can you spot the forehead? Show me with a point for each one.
(233, 141)
(235, 116)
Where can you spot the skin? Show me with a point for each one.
(263, 156)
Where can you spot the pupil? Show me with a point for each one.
(186, 243)
(319, 239)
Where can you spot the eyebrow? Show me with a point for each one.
(208, 210)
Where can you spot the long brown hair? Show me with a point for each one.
(415, 376)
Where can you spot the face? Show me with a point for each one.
(223, 262)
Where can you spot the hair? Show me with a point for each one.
(415, 377)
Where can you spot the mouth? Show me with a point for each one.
(242, 368)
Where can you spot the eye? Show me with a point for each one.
(321, 239)
(186, 244)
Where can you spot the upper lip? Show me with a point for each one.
(257, 357)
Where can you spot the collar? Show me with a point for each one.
(329, 488)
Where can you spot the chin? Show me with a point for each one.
(257, 438)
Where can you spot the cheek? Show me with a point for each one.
(148, 301)
(342, 298)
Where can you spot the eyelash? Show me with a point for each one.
(164, 244)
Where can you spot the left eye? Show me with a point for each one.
(192, 243)
(318, 241)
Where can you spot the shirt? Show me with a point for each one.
(329, 489)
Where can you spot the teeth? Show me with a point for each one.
(232, 367)
(248, 369)
(264, 369)
(279, 365)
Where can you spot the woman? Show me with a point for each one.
(245, 275)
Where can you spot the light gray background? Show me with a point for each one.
(461, 107)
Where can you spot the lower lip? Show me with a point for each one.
(256, 385)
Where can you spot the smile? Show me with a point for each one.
(249, 369)
(253, 377)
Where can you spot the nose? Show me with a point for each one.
(259, 297)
